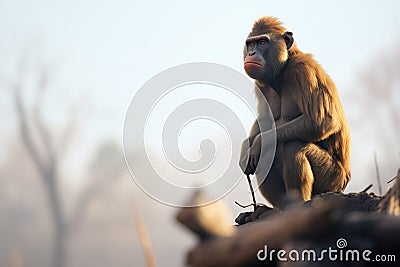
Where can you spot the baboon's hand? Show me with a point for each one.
(250, 156)
(244, 157)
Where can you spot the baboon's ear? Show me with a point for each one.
(288, 37)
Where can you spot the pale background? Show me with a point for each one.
(98, 53)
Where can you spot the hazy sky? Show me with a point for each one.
(105, 50)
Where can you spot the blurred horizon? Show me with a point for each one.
(78, 64)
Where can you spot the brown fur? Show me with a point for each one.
(313, 150)
(267, 25)
(318, 98)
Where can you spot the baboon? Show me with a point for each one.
(313, 138)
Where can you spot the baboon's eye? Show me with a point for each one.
(251, 44)
(263, 42)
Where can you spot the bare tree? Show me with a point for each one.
(375, 112)
(46, 152)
